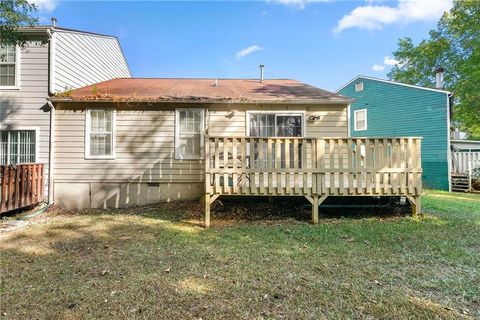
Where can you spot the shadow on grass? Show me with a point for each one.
(152, 262)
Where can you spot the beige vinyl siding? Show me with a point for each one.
(145, 146)
(227, 120)
(145, 152)
(82, 59)
(24, 108)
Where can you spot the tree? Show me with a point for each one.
(455, 46)
(13, 15)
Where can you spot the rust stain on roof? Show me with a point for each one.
(202, 90)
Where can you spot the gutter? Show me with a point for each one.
(193, 101)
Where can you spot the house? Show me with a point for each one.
(388, 108)
(126, 142)
(465, 157)
(55, 60)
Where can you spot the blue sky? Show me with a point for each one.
(324, 43)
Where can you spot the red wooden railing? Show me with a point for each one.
(21, 185)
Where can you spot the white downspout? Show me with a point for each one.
(51, 35)
(51, 154)
(449, 145)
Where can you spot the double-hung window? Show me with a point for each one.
(360, 120)
(100, 134)
(277, 125)
(18, 146)
(189, 133)
(8, 66)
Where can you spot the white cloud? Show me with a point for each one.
(45, 5)
(298, 4)
(390, 61)
(378, 67)
(373, 17)
(245, 52)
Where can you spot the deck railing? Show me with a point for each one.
(21, 185)
(464, 161)
(312, 166)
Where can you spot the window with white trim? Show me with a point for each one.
(189, 133)
(18, 146)
(359, 86)
(360, 120)
(100, 134)
(8, 65)
(277, 125)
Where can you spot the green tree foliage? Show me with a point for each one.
(13, 15)
(455, 46)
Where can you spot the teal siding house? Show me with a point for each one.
(387, 108)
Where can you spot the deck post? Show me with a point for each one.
(207, 210)
(417, 206)
(315, 210)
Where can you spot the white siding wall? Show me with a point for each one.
(84, 59)
(24, 108)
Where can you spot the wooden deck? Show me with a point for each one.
(21, 186)
(312, 167)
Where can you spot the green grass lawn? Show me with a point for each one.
(156, 263)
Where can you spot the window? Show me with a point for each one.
(100, 134)
(18, 146)
(8, 66)
(277, 125)
(360, 120)
(359, 86)
(189, 133)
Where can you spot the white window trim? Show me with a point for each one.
(300, 113)
(202, 134)
(17, 72)
(359, 84)
(37, 140)
(88, 125)
(355, 120)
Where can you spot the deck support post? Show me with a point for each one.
(416, 202)
(207, 210)
(315, 210)
(417, 206)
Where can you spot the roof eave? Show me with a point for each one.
(296, 102)
(393, 82)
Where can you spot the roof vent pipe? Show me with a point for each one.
(54, 22)
(439, 78)
(261, 72)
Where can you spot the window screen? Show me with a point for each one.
(17, 146)
(189, 133)
(100, 133)
(361, 119)
(7, 65)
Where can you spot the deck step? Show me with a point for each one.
(460, 183)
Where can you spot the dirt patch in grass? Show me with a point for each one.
(157, 263)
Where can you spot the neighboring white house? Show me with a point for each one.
(55, 60)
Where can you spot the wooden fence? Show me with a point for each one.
(312, 167)
(21, 185)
